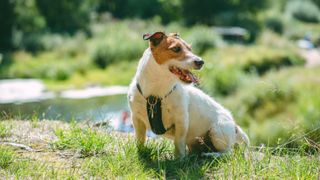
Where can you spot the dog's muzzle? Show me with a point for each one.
(198, 64)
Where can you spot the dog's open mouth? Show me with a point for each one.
(184, 75)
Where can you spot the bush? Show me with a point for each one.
(30, 42)
(305, 10)
(202, 38)
(279, 107)
(261, 59)
(275, 24)
(50, 66)
(219, 79)
(264, 60)
(116, 43)
(228, 68)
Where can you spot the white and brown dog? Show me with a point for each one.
(162, 98)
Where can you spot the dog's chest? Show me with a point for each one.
(169, 110)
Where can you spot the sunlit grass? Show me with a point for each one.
(84, 140)
(105, 155)
(4, 130)
(6, 157)
(122, 159)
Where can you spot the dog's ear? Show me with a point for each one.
(154, 38)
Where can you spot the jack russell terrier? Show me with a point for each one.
(162, 98)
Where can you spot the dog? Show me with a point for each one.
(162, 97)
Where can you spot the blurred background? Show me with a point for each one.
(74, 59)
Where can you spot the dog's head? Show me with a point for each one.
(172, 51)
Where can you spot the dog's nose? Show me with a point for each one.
(199, 63)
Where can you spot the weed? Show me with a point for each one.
(34, 120)
(4, 130)
(6, 157)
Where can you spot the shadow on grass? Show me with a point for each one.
(161, 160)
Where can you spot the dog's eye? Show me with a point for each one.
(176, 49)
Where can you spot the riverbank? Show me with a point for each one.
(55, 150)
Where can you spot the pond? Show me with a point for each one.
(92, 109)
(29, 98)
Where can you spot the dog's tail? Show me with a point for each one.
(242, 137)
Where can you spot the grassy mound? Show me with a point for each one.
(77, 151)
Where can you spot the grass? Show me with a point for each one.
(4, 130)
(6, 157)
(84, 140)
(112, 155)
(14, 166)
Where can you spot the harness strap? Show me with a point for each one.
(139, 89)
(154, 112)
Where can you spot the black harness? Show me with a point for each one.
(154, 112)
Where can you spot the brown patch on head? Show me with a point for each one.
(170, 47)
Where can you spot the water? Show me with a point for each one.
(28, 99)
(92, 109)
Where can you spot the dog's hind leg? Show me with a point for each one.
(223, 136)
(140, 130)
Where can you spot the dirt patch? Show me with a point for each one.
(312, 57)
(37, 135)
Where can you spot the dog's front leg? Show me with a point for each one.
(140, 130)
(181, 129)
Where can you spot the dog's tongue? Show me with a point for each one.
(191, 77)
(184, 75)
(194, 78)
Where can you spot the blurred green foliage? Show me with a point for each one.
(228, 67)
(66, 16)
(6, 21)
(275, 24)
(115, 43)
(280, 106)
(24, 21)
(304, 10)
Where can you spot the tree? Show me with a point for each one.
(6, 23)
(144, 9)
(224, 13)
(317, 2)
(213, 11)
(66, 15)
